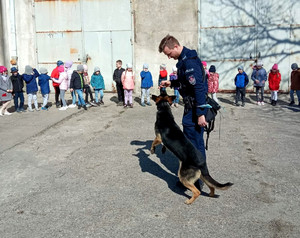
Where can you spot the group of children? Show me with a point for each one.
(259, 76)
(63, 79)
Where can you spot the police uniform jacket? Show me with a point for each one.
(192, 85)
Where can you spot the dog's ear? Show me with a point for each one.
(154, 97)
(171, 99)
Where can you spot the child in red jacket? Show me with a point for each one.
(274, 82)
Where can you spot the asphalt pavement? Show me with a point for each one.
(79, 173)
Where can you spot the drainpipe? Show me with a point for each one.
(13, 41)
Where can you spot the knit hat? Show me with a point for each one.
(275, 67)
(43, 70)
(2, 69)
(85, 68)
(28, 70)
(163, 66)
(145, 66)
(212, 69)
(13, 69)
(80, 68)
(174, 69)
(294, 66)
(129, 66)
(204, 63)
(241, 67)
(68, 64)
(259, 63)
(59, 62)
(96, 69)
(61, 68)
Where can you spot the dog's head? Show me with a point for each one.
(163, 97)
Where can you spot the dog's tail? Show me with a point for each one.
(213, 183)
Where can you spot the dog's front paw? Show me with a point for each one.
(152, 150)
(188, 202)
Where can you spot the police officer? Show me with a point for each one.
(192, 88)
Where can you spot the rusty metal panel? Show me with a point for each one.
(98, 50)
(227, 30)
(58, 45)
(226, 13)
(112, 15)
(57, 16)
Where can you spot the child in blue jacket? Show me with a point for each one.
(146, 84)
(29, 77)
(241, 80)
(45, 88)
(98, 85)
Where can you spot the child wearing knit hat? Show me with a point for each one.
(274, 82)
(213, 82)
(44, 86)
(259, 77)
(98, 85)
(295, 83)
(241, 80)
(146, 84)
(163, 75)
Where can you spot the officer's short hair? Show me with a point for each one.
(169, 41)
(119, 61)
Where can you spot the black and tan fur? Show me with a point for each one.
(192, 165)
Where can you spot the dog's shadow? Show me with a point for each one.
(168, 160)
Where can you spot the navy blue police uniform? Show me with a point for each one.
(193, 89)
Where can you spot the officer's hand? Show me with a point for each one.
(165, 83)
(201, 121)
(71, 90)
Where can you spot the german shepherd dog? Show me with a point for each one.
(192, 165)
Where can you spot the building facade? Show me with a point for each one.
(226, 33)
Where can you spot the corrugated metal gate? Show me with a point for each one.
(234, 32)
(95, 32)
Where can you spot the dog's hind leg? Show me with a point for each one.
(188, 177)
(194, 190)
(155, 142)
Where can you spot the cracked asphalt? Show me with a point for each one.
(79, 173)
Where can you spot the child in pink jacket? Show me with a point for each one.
(63, 82)
(127, 79)
(213, 82)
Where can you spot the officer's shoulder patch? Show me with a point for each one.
(189, 70)
(192, 80)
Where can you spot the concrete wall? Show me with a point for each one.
(152, 22)
(4, 53)
(25, 34)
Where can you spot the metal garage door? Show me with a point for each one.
(93, 32)
(234, 32)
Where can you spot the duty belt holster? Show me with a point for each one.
(188, 103)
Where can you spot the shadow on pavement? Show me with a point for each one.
(168, 160)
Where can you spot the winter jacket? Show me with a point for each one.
(163, 75)
(127, 80)
(241, 80)
(69, 73)
(44, 83)
(17, 83)
(76, 81)
(86, 79)
(274, 80)
(31, 85)
(295, 80)
(173, 77)
(147, 81)
(5, 84)
(260, 75)
(63, 81)
(213, 82)
(117, 75)
(97, 81)
(55, 75)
